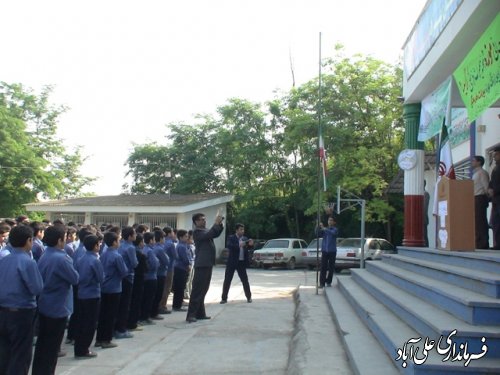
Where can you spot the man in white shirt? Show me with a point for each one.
(481, 180)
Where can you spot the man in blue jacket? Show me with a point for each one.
(58, 273)
(21, 282)
(328, 251)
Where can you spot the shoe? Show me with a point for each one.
(70, 342)
(204, 318)
(123, 335)
(223, 301)
(329, 284)
(136, 329)
(98, 344)
(249, 300)
(108, 345)
(157, 317)
(61, 353)
(88, 355)
(164, 311)
(147, 322)
(321, 286)
(191, 319)
(179, 309)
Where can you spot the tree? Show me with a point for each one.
(33, 161)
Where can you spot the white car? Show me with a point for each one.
(284, 252)
(349, 251)
(312, 258)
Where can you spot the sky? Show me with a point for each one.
(125, 69)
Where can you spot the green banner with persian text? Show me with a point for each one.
(478, 76)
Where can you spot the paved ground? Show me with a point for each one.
(287, 329)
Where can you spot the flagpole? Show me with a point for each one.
(319, 168)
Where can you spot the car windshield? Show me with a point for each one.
(314, 244)
(276, 243)
(351, 242)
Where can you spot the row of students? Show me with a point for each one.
(115, 291)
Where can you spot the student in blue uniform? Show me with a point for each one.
(128, 253)
(89, 295)
(20, 283)
(58, 273)
(138, 286)
(37, 247)
(159, 249)
(150, 279)
(114, 271)
(172, 256)
(182, 267)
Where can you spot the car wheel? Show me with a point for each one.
(338, 270)
(311, 267)
(291, 264)
(266, 266)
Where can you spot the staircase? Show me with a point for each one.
(447, 301)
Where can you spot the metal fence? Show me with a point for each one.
(157, 220)
(114, 219)
(75, 217)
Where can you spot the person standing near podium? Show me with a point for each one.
(494, 193)
(481, 180)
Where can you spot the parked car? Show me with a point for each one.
(311, 257)
(285, 252)
(349, 251)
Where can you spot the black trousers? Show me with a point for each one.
(16, 341)
(481, 220)
(147, 299)
(48, 344)
(87, 322)
(327, 267)
(135, 302)
(201, 284)
(110, 302)
(73, 320)
(495, 223)
(160, 286)
(178, 286)
(241, 268)
(124, 307)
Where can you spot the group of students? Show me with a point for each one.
(107, 282)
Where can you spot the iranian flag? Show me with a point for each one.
(322, 158)
(445, 164)
(445, 161)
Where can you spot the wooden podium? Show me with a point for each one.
(456, 215)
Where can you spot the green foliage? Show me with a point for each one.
(267, 155)
(33, 161)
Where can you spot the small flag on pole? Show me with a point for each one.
(322, 157)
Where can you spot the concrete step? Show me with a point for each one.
(426, 319)
(366, 355)
(481, 260)
(483, 282)
(471, 307)
(395, 336)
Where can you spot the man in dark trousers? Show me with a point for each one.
(494, 194)
(237, 260)
(21, 282)
(328, 251)
(203, 264)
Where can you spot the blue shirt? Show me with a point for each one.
(91, 276)
(171, 251)
(182, 261)
(37, 248)
(58, 273)
(127, 251)
(70, 249)
(20, 280)
(152, 263)
(79, 252)
(114, 271)
(329, 244)
(163, 258)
